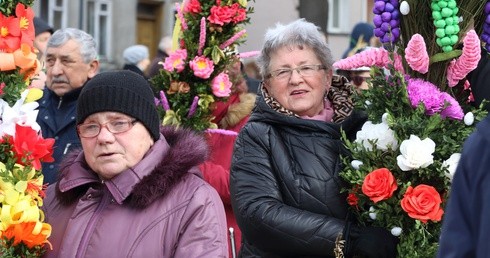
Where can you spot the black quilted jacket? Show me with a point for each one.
(285, 186)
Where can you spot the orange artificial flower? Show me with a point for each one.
(423, 203)
(25, 233)
(379, 185)
(9, 33)
(25, 16)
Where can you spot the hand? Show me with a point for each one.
(372, 242)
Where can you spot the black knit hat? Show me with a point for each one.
(120, 91)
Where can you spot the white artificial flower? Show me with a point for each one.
(396, 231)
(372, 213)
(451, 164)
(368, 103)
(404, 8)
(469, 118)
(356, 164)
(384, 136)
(21, 113)
(416, 153)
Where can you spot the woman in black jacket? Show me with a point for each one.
(285, 184)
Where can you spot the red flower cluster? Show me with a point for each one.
(222, 15)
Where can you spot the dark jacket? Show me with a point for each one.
(465, 226)
(134, 68)
(161, 207)
(154, 67)
(57, 119)
(285, 186)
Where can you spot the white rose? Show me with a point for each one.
(381, 133)
(356, 164)
(416, 153)
(451, 164)
(396, 231)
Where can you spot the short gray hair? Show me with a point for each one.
(298, 33)
(88, 47)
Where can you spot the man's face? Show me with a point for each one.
(66, 69)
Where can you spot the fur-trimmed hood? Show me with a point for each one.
(173, 157)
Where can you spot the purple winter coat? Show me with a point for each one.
(159, 208)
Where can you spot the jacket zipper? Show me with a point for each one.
(59, 102)
(87, 234)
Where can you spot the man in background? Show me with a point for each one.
(71, 60)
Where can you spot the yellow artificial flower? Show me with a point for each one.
(171, 118)
(33, 95)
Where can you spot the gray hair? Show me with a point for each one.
(88, 47)
(298, 33)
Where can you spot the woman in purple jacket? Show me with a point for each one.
(134, 190)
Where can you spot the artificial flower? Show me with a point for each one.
(451, 164)
(468, 61)
(422, 202)
(193, 6)
(381, 134)
(379, 185)
(202, 67)
(416, 153)
(221, 85)
(416, 54)
(30, 146)
(30, 233)
(175, 61)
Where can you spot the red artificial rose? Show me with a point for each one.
(352, 199)
(239, 13)
(423, 203)
(30, 146)
(379, 185)
(221, 14)
(193, 6)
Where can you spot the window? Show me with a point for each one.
(338, 20)
(55, 13)
(97, 22)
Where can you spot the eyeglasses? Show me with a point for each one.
(358, 80)
(114, 126)
(304, 71)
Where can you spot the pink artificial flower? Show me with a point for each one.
(248, 54)
(202, 36)
(434, 101)
(453, 110)
(221, 15)
(180, 16)
(232, 39)
(370, 57)
(202, 67)
(416, 54)
(221, 85)
(193, 6)
(176, 61)
(467, 62)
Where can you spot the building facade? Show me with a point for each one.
(117, 24)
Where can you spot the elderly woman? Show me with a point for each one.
(134, 190)
(285, 187)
